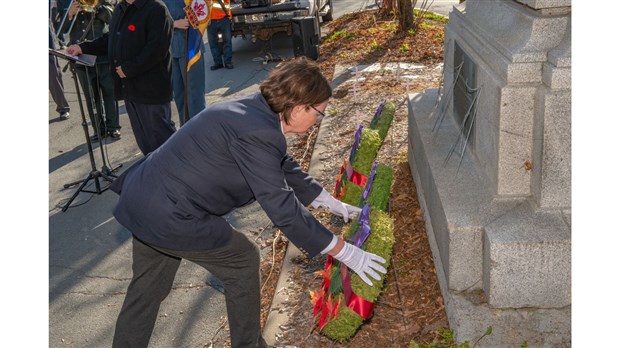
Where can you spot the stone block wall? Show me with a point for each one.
(499, 218)
(519, 51)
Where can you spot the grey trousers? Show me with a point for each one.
(237, 265)
(151, 124)
(56, 86)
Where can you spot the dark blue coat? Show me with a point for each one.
(227, 156)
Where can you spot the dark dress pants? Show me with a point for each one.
(99, 81)
(151, 124)
(236, 265)
(223, 25)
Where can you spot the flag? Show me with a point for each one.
(198, 14)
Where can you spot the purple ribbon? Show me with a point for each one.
(358, 135)
(363, 232)
(375, 118)
(371, 178)
(361, 235)
(364, 217)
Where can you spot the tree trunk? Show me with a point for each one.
(405, 15)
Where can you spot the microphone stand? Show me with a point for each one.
(105, 172)
(94, 174)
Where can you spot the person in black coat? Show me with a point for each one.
(138, 48)
(229, 155)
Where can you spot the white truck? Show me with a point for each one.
(299, 19)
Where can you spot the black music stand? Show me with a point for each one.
(85, 60)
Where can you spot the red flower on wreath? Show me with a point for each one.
(131, 27)
(325, 306)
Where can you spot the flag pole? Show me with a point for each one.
(185, 79)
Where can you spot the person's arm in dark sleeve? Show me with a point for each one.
(260, 164)
(159, 37)
(305, 186)
(98, 47)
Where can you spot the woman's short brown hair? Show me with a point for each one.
(297, 82)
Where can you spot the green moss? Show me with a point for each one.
(371, 139)
(369, 145)
(380, 192)
(344, 326)
(380, 242)
(381, 239)
(384, 122)
(352, 193)
(367, 150)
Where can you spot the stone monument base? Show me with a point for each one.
(496, 259)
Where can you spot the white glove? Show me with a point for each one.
(361, 262)
(335, 206)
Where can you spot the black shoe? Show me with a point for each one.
(229, 66)
(216, 66)
(115, 134)
(64, 115)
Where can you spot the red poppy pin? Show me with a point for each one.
(131, 27)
